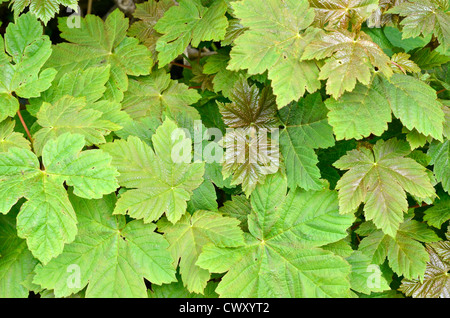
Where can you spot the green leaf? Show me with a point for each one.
(190, 234)
(203, 198)
(47, 220)
(109, 256)
(439, 213)
(306, 129)
(27, 50)
(406, 255)
(69, 114)
(42, 9)
(282, 257)
(98, 43)
(360, 113)
(440, 159)
(425, 17)
(189, 22)
(9, 138)
(351, 57)
(379, 178)
(157, 95)
(365, 277)
(177, 290)
(158, 183)
(238, 207)
(436, 280)
(149, 13)
(16, 261)
(274, 42)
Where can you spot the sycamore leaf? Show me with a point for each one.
(157, 95)
(351, 58)
(427, 59)
(405, 253)
(360, 113)
(69, 114)
(425, 17)
(42, 9)
(340, 13)
(97, 43)
(189, 22)
(9, 138)
(224, 80)
(177, 290)
(238, 207)
(23, 52)
(111, 256)
(415, 104)
(380, 178)
(250, 156)
(249, 108)
(365, 277)
(234, 30)
(203, 198)
(281, 256)
(439, 213)
(440, 159)
(149, 13)
(306, 129)
(47, 220)
(158, 180)
(275, 42)
(367, 109)
(436, 282)
(190, 234)
(401, 63)
(16, 261)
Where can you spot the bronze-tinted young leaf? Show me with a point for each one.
(250, 107)
(351, 57)
(436, 283)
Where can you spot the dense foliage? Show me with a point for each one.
(220, 148)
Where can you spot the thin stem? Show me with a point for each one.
(181, 65)
(195, 87)
(24, 126)
(89, 8)
(441, 91)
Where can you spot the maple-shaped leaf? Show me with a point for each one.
(401, 63)
(427, 59)
(360, 113)
(234, 30)
(362, 275)
(238, 207)
(111, 256)
(367, 109)
(23, 52)
(9, 138)
(189, 22)
(306, 129)
(190, 234)
(158, 181)
(47, 220)
(249, 108)
(16, 261)
(440, 159)
(351, 57)
(157, 95)
(439, 213)
(425, 17)
(178, 290)
(282, 255)
(405, 253)
(70, 114)
(250, 155)
(149, 13)
(42, 9)
(203, 198)
(96, 43)
(275, 41)
(380, 178)
(224, 79)
(436, 281)
(340, 13)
